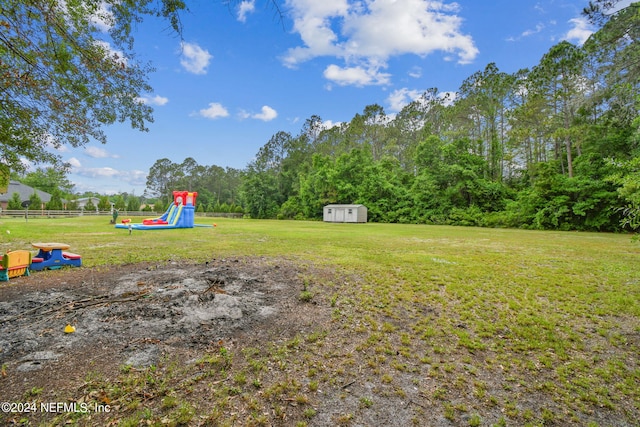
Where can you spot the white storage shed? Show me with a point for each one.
(345, 213)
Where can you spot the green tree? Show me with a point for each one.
(559, 79)
(48, 180)
(259, 193)
(383, 192)
(319, 187)
(72, 205)
(118, 203)
(189, 171)
(14, 202)
(613, 102)
(616, 43)
(61, 82)
(104, 204)
(56, 201)
(89, 206)
(5, 178)
(162, 178)
(415, 122)
(36, 201)
(628, 179)
(133, 203)
(485, 97)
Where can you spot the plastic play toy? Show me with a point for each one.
(52, 256)
(179, 215)
(14, 264)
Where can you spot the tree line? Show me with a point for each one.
(551, 147)
(555, 146)
(217, 188)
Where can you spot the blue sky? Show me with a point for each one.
(240, 73)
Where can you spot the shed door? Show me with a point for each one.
(339, 215)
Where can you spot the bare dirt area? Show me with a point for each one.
(134, 310)
(137, 316)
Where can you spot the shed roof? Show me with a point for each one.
(24, 191)
(344, 206)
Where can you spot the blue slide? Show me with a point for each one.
(177, 216)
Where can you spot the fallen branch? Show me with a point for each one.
(74, 305)
(214, 287)
(349, 384)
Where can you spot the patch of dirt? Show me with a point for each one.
(135, 314)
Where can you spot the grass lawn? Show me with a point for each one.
(459, 326)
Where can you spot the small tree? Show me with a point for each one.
(15, 202)
(56, 201)
(133, 203)
(159, 206)
(36, 201)
(72, 205)
(89, 206)
(104, 204)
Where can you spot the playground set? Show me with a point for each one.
(180, 214)
(50, 255)
(54, 256)
(14, 264)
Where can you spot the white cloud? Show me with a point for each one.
(106, 179)
(28, 164)
(580, 31)
(53, 144)
(448, 98)
(267, 114)
(401, 97)
(620, 5)
(246, 7)
(100, 15)
(102, 18)
(214, 111)
(105, 172)
(99, 153)
(415, 72)
(328, 124)
(153, 100)
(368, 33)
(109, 51)
(356, 76)
(75, 163)
(194, 58)
(527, 33)
(539, 28)
(131, 177)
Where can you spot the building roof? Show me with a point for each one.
(24, 191)
(344, 206)
(82, 202)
